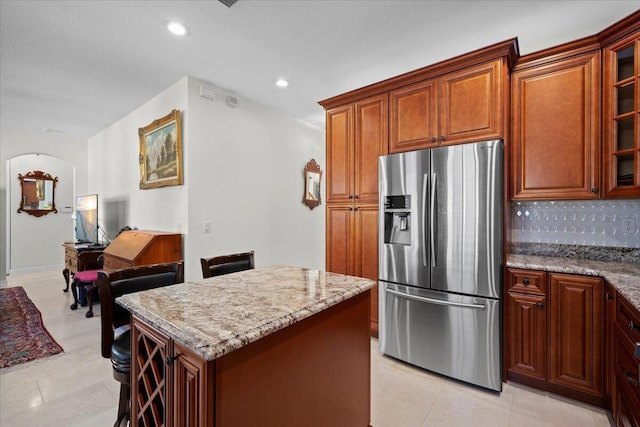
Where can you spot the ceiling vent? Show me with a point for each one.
(228, 3)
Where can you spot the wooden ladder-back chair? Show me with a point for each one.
(226, 264)
(115, 320)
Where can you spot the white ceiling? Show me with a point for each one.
(78, 66)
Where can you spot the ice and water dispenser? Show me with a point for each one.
(397, 220)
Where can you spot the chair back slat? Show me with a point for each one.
(226, 264)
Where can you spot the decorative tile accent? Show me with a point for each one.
(614, 223)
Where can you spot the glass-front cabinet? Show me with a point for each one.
(622, 118)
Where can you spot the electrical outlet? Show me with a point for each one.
(628, 225)
(206, 227)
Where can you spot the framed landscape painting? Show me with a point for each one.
(161, 152)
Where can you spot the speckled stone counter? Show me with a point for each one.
(625, 277)
(218, 315)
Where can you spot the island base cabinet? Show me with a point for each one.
(192, 389)
(313, 373)
(150, 375)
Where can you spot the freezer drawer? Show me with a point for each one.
(450, 334)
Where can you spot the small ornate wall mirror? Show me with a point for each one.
(312, 176)
(38, 193)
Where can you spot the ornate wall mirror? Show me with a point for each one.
(38, 193)
(312, 176)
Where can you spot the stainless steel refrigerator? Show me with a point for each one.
(441, 260)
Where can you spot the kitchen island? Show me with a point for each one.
(274, 346)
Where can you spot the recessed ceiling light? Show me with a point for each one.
(177, 28)
(282, 83)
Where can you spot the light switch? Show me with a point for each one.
(206, 227)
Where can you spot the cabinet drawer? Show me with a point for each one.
(527, 281)
(71, 263)
(627, 408)
(628, 318)
(627, 367)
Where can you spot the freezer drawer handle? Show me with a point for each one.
(436, 301)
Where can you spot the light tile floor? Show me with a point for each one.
(76, 388)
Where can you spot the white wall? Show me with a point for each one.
(36, 241)
(73, 151)
(242, 173)
(114, 172)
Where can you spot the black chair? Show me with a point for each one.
(226, 264)
(115, 320)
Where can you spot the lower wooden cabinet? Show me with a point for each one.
(352, 246)
(554, 333)
(626, 366)
(576, 362)
(526, 326)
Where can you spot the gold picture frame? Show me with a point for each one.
(161, 152)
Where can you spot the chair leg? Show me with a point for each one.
(124, 406)
(74, 291)
(88, 291)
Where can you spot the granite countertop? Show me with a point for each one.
(623, 276)
(218, 315)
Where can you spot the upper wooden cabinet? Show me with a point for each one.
(575, 112)
(461, 106)
(555, 114)
(621, 88)
(356, 135)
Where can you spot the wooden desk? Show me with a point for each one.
(142, 247)
(272, 347)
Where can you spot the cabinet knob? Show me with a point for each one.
(168, 360)
(595, 190)
(356, 197)
(633, 326)
(525, 282)
(442, 138)
(434, 139)
(608, 297)
(351, 196)
(540, 305)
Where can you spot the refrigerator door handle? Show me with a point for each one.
(432, 219)
(436, 301)
(423, 220)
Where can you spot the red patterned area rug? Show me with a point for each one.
(23, 337)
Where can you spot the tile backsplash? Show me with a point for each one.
(614, 223)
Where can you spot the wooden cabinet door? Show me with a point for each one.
(371, 141)
(622, 118)
(339, 246)
(366, 253)
(339, 138)
(192, 389)
(609, 325)
(576, 335)
(472, 104)
(526, 335)
(414, 117)
(555, 114)
(151, 384)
